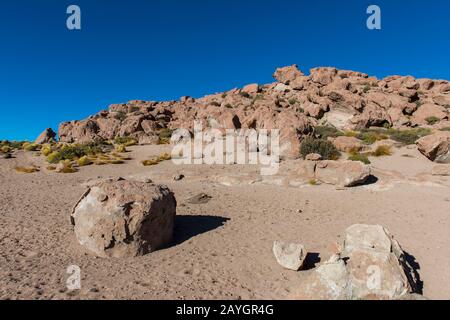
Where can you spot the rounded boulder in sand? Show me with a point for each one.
(121, 218)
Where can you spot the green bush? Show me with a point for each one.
(359, 157)
(121, 116)
(54, 157)
(432, 120)
(323, 147)
(445, 129)
(324, 132)
(17, 144)
(84, 161)
(126, 141)
(245, 94)
(6, 149)
(27, 146)
(371, 136)
(408, 137)
(165, 133)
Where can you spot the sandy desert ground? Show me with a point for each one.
(222, 249)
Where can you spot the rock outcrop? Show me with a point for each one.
(370, 265)
(121, 218)
(294, 104)
(48, 135)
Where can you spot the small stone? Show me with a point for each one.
(289, 255)
(200, 198)
(178, 177)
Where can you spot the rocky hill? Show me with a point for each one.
(295, 103)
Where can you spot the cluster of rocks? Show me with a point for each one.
(296, 103)
(121, 218)
(369, 265)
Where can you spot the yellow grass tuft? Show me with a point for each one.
(84, 161)
(27, 169)
(381, 151)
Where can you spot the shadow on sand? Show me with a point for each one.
(311, 260)
(187, 227)
(412, 273)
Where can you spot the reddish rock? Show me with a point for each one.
(427, 111)
(287, 74)
(436, 147)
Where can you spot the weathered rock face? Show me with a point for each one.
(342, 173)
(436, 147)
(286, 75)
(120, 218)
(371, 265)
(48, 135)
(429, 111)
(376, 264)
(329, 281)
(295, 104)
(289, 255)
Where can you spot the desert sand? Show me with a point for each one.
(221, 249)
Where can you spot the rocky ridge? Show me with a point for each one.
(295, 104)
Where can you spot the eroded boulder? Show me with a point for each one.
(121, 218)
(342, 173)
(436, 147)
(370, 265)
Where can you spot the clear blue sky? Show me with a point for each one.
(164, 49)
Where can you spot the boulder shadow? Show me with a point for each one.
(311, 260)
(412, 273)
(370, 180)
(187, 227)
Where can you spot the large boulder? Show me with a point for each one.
(376, 264)
(48, 135)
(342, 173)
(428, 111)
(120, 218)
(436, 147)
(370, 265)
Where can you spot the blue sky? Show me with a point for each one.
(164, 49)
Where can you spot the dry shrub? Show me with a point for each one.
(31, 169)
